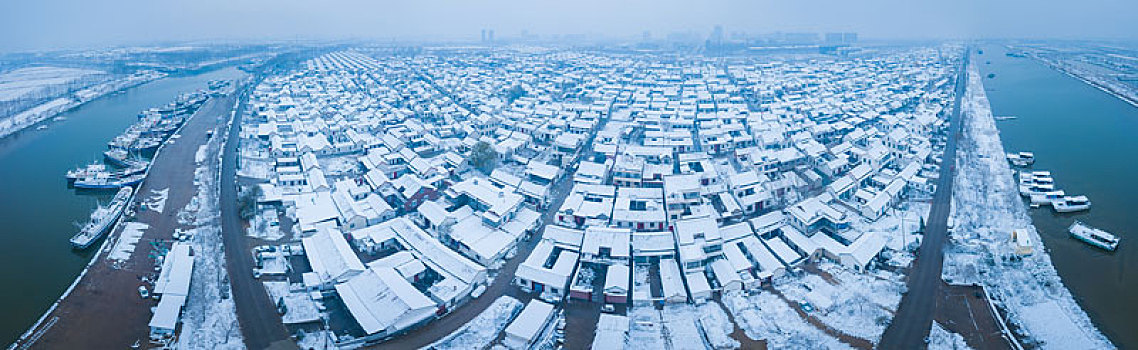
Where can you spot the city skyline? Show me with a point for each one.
(85, 25)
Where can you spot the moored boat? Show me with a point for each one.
(1021, 159)
(107, 181)
(85, 171)
(1046, 198)
(102, 219)
(1069, 204)
(1093, 236)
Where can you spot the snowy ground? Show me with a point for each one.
(646, 331)
(336, 166)
(21, 115)
(898, 227)
(22, 82)
(942, 339)
(765, 316)
(274, 263)
(261, 227)
(254, 168)
(127, 241)
(157, 200)
(322, 340)
(987, 208)
(209, 319)
(479, 332)
(860, 305)
(300, 307)
(687, 326)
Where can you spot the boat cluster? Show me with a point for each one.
(1039, 187)
(127, 152)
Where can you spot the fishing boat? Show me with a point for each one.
(1021, 159)
(122, 158)
(1070, 204)
(1046, 198)
(85, 171)
(1093, 236)
(102, 219)
(107, 181)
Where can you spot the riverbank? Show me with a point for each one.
(103, 308)
(34, 115)
(986, 208)
(1091, 80)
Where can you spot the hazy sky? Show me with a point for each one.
(38, 24)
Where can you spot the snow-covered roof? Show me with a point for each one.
(166, 314)
(611, 332)
(435, 254)
(380, 300)
(616, 280)
(557, 275)
(530, 321)
(330, 256)
(177, 268)
(564, 237)
(616, 239)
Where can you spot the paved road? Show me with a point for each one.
(261, 326)
(914, 316)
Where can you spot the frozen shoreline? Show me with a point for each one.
(986, 208)
(1104, 87)
(67, 102)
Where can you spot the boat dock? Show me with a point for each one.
(103, 309)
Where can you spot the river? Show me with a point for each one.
(1086, 138)
(37, 209)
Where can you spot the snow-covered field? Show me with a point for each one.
(21, 115)
(479, 332)
(987, 207)
(860, 305)
(22, 82)
(765, 316)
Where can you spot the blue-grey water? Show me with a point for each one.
(1086, 138)
(37, 210)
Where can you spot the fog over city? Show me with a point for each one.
(75, 23)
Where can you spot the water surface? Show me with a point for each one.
(1087, 139)
(38, 211)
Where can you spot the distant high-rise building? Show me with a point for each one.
(646, 36)
(841, 38)
(717, 35)
(490, 35)
(483, 36)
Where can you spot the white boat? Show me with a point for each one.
(1021, 159)
(102, 219)
(1029, 190)
(1036, 177)
(1046, 198)
(85, 171)
(1093, 236)
(1071, 204)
